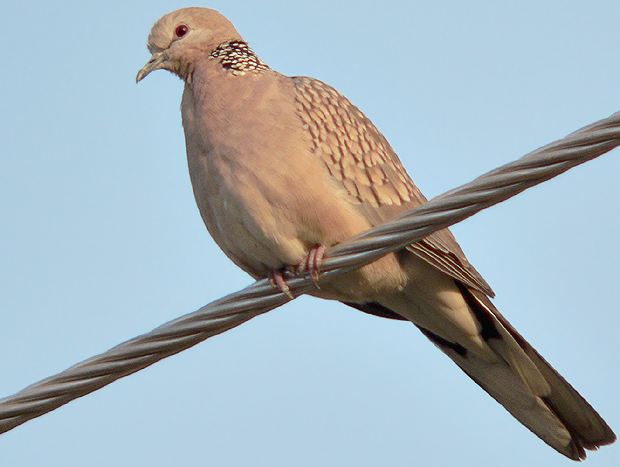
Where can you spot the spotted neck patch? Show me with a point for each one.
(237, 57)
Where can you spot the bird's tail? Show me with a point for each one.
(526, 385)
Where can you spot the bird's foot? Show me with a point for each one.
(312, 263)
(277, 280)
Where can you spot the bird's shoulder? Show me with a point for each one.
(352, 148)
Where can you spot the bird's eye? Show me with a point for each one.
(181, 30)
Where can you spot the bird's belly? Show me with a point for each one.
(254, 231)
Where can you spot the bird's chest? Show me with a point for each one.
(264, 196)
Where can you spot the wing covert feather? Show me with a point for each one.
(359, 157)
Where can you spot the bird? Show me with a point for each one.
(283, 168)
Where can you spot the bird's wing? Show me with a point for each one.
(505, 365)
(361, 160)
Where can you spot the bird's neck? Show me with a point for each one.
(237, 57)
(226, 81)
(216, 100)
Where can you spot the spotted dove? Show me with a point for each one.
(284, 167)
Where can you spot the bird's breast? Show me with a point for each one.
(248, 175)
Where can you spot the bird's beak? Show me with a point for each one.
(155, 63)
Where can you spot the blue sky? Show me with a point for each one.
(101, 240)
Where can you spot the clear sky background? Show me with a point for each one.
(100, 239)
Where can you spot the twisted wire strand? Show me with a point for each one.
(232, 310)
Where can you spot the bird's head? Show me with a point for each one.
(182, 37)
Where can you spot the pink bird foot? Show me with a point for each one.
(311, 264)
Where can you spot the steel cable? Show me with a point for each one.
(234, 309)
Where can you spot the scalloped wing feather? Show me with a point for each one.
(361, 160)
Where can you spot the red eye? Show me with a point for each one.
(181, 30)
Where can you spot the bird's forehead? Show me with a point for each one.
(162, 32)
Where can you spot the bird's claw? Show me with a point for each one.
(277, 280)
(311, 264)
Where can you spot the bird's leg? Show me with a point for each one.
(277, 280)
(312, 263)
